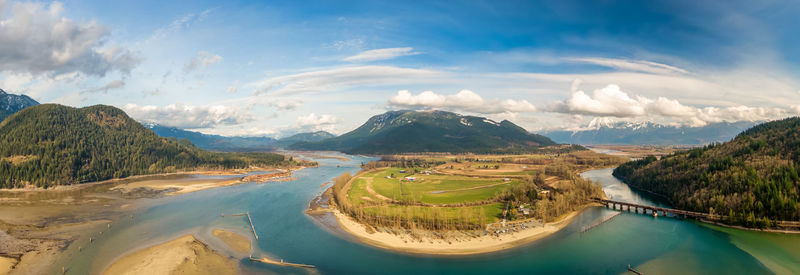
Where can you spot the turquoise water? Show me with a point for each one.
(652, 245)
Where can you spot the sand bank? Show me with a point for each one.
(464, 245)
(177, 187)
(236, 242)
(6, 265)
(184, 255)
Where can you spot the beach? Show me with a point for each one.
(177, 187)
(462, 245)
(183, 255)
(38, 225)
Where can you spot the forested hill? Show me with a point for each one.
(51, 144)
(753, 177)
(431, 131)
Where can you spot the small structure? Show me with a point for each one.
(411, 178)
(427, 172)
(544, 192)
(388, 177)
(402, 171)
(506, 179)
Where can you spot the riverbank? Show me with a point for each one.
(184, 255)
(39, 226)
(456, 243)
(200, 172)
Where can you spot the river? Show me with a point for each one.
(651, 245)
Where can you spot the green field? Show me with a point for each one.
(433, 189)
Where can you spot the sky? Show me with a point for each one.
(273, 68)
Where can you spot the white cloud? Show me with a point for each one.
(380, 54)
(630, 65)
(116, 84)
(187, 116)
(177, 25)
(465, 100)
(285, 104)
(611, 101)
(201, 61)
(314, 122)
(37, 39)
(232, 89)
(346, 77)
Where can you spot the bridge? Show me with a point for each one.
(675, 213)
(656, 211)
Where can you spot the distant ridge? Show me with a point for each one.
(431, 131)
(235, 144)
(649, 134)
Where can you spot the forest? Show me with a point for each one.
(752, 180)
(49, 145)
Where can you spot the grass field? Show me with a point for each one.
(432, 189)
(468, 191)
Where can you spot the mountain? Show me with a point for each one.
(47, 145)
(236, 144)
(753, 178)
(215, 142)
(649, 134)
(10, 104)
(430, 131)
(304, 137)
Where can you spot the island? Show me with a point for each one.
(449, 204)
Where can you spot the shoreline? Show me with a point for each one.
(182, 255)
(205, 172)
(38, 239)
(466, 245)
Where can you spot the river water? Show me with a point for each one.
(651, 245)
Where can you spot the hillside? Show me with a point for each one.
(432, 131)
(752, 178)
(47, 145)
(649, 134)
(303, 137)
(235, 143)
(10, 104)
(215, 142)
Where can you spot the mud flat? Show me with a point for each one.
(236, 242)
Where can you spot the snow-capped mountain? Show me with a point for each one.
(10, 103)
(647, 133)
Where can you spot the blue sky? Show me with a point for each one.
(274, 68)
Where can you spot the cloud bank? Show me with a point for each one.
(314, 122)
(611, 101)
(37, 39)
(465, 100)
(188, 116)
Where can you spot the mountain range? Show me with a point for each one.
(430, 131)
(223, 143)
(647, 133)
(11, 103)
